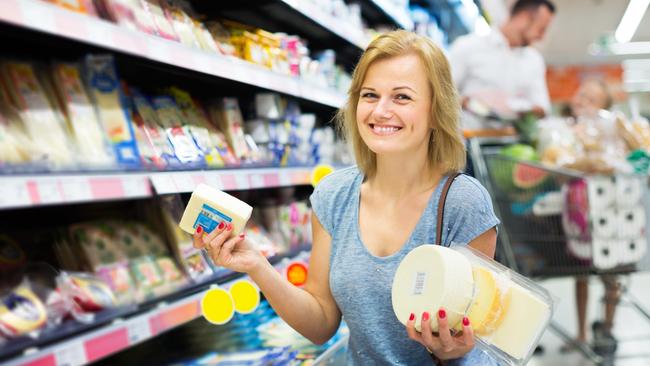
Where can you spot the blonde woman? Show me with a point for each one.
(402, 121)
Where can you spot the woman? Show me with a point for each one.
(402, 120)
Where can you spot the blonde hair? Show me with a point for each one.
(446, 148)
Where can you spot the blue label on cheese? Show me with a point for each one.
(209, 218)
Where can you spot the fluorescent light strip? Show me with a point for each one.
(630, 48)
(631, 19)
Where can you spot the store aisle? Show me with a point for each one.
(630, 328)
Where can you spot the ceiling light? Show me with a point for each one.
(631, 19)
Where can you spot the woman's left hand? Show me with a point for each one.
(444, 345)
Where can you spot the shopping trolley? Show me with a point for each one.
(559, 222)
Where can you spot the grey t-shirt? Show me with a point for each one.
(361, 282)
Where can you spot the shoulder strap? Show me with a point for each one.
(441, 206)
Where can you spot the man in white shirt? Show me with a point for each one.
(500, 70)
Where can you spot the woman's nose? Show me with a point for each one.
(383, 109)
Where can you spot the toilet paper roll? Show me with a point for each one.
(604, 223)
(629, 191)
(632, 250)
(605, 253)
(631, 222)
(602, 192)
(579, 249)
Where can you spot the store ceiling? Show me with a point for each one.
(578, 23)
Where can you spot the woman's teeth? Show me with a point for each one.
(385, 129)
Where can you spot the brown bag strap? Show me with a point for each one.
(441, 206)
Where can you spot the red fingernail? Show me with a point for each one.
(412, 317)
(221, 225)
(242, 236)
(425, 316)
(466, 321)
(442, 314)
(229, 227)
(199, 229)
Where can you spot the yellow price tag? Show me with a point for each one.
(246, 296)
(217, 306)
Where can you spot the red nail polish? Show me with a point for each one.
(466, 321)
(442, 314)
(199, 229)
(221, 225)
(242, 236)
(229, 227)
(412, 317)
(425, 316)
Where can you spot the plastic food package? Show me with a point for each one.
(80, 6)
(172, 119)
(145, 115)
(46, 130)
(507, 311)
(22, 312)
(161, 19)
(87, 293)
(227, 115)
(91, 144)
(111, 106)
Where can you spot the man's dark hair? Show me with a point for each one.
(528, 5)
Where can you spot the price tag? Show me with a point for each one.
(285, 179)
(14, 192)
(138, 330)
(213, 181)
(163, 183)
(184, 182)
(241, 181)
(256, 181)
(71, 355)
(48, 191)
(135, 187)
(76, 189)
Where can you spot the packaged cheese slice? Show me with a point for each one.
(92, 146)
(111, 106)
(48, 134)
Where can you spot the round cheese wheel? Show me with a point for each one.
(245, 296)
(428, 278)
(217, 306)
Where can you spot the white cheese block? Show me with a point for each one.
(522, 324)
(431, 277)
(208, 207)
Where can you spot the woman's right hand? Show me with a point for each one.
(235, 253)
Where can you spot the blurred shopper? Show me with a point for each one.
(593, 96)
(500, 70)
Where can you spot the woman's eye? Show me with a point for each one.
(368, 95)
(402, 97)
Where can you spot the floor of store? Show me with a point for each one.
(630, 328)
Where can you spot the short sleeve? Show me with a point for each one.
(320, 206)
(468, 212)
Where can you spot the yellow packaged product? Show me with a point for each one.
(226, 114)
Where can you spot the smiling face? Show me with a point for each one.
(394, 108)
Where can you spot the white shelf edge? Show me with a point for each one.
(336, 26)
(40, 16)
(18, 191)
(399, 16)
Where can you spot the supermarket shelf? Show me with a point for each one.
(40, 16)
(122, 333)
(334, 25)
(52, 189)
(397, 15)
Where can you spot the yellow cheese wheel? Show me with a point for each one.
(487, 307)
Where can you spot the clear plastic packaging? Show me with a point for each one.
(508, 312)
